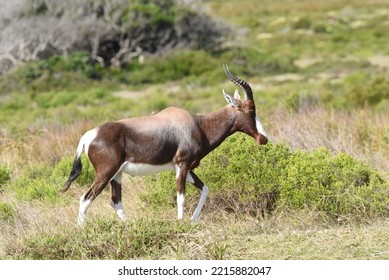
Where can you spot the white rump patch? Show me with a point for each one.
(86, 140)
(260, 127)
(143, 169)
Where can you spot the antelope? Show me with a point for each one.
(173, 139)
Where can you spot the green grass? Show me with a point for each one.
(246, 178)
(5, 175)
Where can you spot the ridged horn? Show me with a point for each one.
(248, 93)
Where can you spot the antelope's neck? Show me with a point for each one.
(217, 126)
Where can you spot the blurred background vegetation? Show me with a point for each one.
(319, 72)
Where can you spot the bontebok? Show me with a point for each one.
(173, 139)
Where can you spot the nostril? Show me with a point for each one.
(262, 140)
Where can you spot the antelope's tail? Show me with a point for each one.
(76, 168)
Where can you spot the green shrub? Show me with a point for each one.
(245, 177)
(373, 92)
(302, 23)
(173, 67)
(5, 175)
(79, 62)
(233, 172)
(301, 100)
(31, 71)
(338, 185)
(62, 170)
(153, 12)
(36, 185)
(38, 189)
(42, 183)
(7, 212)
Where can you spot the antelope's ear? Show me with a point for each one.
(231, 100)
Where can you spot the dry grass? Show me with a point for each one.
(362, 134)
(336, 242)
(41, 146)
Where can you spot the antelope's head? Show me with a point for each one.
(247, 121)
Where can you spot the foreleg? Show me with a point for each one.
(116, 196)
(181, 175)
(195, 181)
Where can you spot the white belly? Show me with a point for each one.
(142, 169)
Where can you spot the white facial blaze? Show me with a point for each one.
(260, 127)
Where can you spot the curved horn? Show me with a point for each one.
(240, 83)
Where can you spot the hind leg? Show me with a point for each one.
(84, 205)
(103, 177)
(86, 199)
(106, 158)
(116, 196)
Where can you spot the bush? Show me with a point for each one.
(153, 12)
(42, 183)
(5, 175)
(79, 62)
(338, 185)
(62, 170)
(37, 189)
(36, 184)
(7, 212)
(245, 177)
(229, 173)
(173, 67)
(302, 23)
(373, 92)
